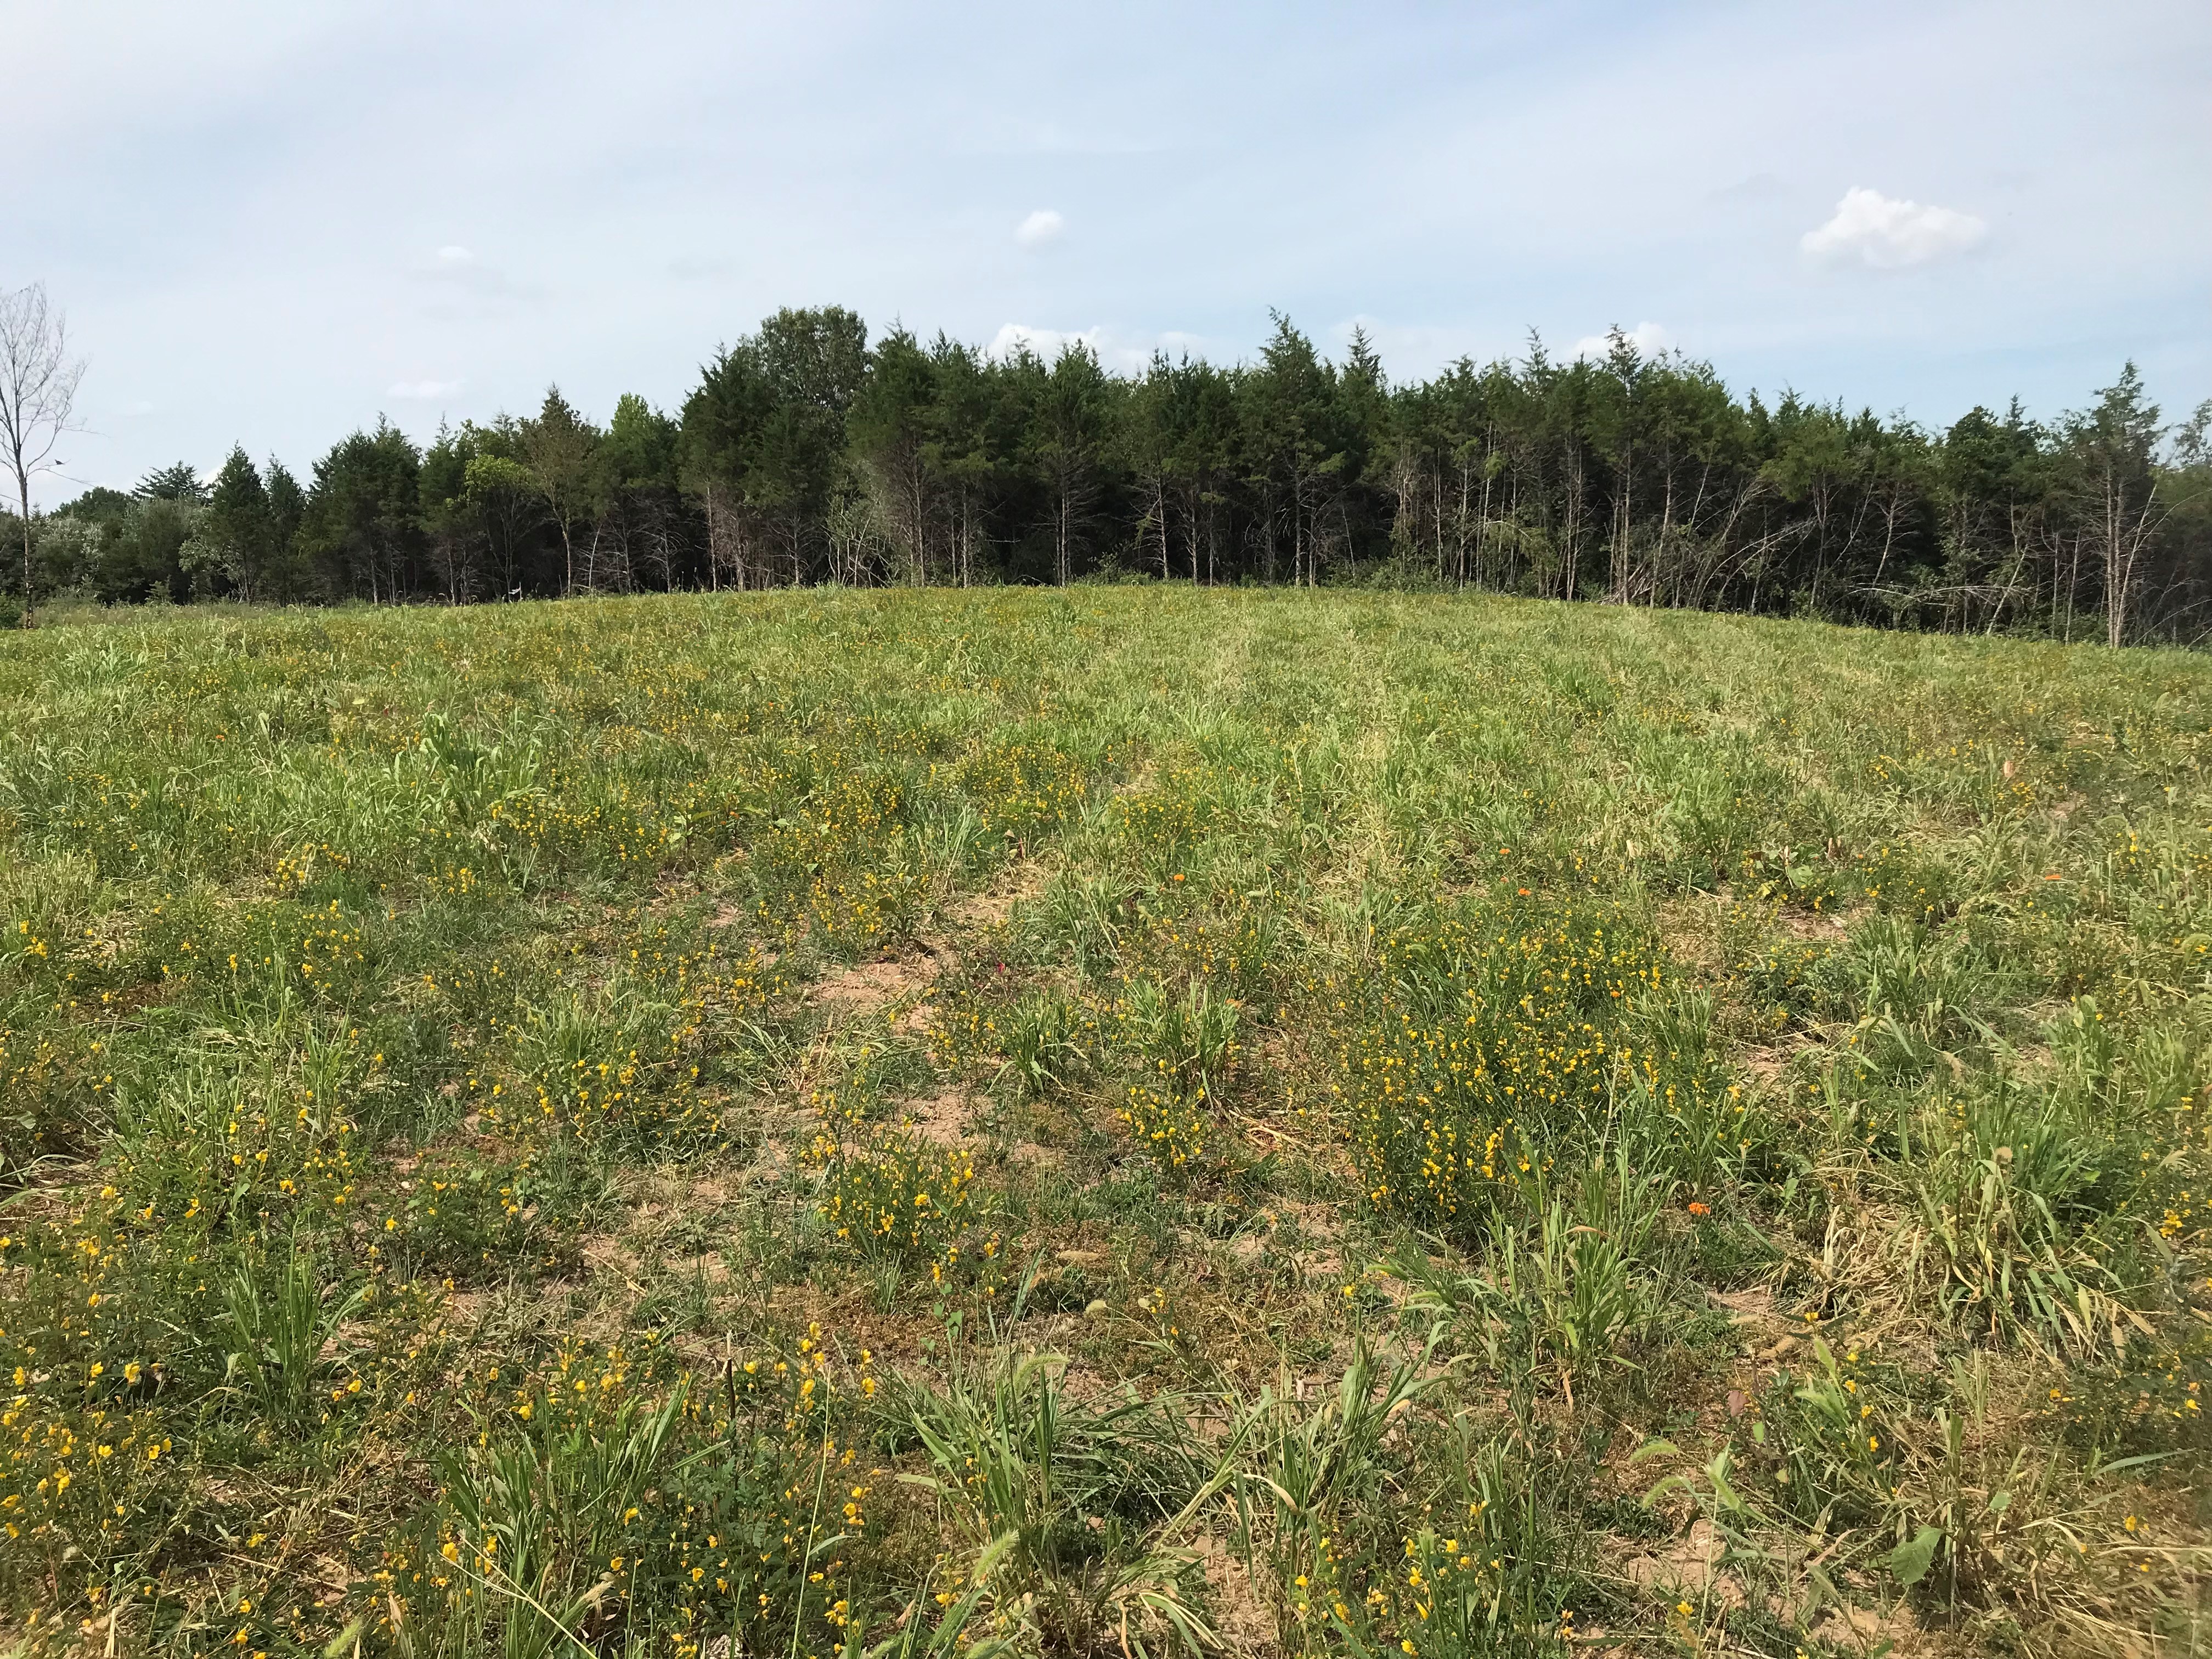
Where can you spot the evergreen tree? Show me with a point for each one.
(235, 540)
(363, 524)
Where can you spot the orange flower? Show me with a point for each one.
(1698, 1208)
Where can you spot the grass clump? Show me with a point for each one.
(1485, 1048)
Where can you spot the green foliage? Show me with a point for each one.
(1565, 1288)
(1044, 1040)
(805, 456)
(890, 1193)
(592, 1504)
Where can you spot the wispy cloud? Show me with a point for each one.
(1650, 339)
(1042, 227)
(1880, 232)
(1127, 354)
(458, 271)
(1012, 338)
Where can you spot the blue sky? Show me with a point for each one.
(270, 222)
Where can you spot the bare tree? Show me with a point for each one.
(2115, 445)
(37, 397)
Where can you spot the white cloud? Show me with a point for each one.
(423, 391)
(1648, 338)
(1042, 227)
(1126, 353)
(459, 275)
(1872, 229)
(1046, 343)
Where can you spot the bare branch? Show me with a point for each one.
(38, 397)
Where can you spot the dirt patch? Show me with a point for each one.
(1029, 1155)
(1691, 1563)
(1768, 1335)
(712, 1268)
(771, 1163)
(610, 1255)
(866, 986)
(1767, 1066)
(1689, 928)
(463, 1310)
(1815, 926)
(1246, 1249)
(941, 1118)
(1241, 1616)
(711, 1192)
(727, 915)
(1265, 1137)
(1023, 879)
(1862, 1630)
(132, 997)
(1753, 1307)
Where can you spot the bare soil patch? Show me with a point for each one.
(865, 986)
(942, 1119)
(1022, 879)
(1689, 1564)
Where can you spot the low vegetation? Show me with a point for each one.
(1099, 1122)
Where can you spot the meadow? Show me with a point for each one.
(1124, 1120)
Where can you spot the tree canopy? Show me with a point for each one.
(806, 454)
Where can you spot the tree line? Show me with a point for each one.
(806, 454)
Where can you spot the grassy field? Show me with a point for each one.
(1113, 1122)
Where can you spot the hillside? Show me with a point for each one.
(1098, 1119)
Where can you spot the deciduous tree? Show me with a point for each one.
(38, 399)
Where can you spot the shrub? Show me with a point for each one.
(892, 1195)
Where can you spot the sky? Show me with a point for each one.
(270, 223)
